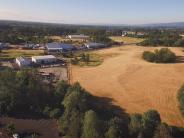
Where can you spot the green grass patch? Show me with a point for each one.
(13, 53)
(87, 59)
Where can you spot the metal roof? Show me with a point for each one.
(22, 59)
(59, 46)
(44, 57)
(80, 36)
(95, 44)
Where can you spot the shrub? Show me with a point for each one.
(163, 55)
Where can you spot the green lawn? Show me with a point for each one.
(13, 53)
(94, 60)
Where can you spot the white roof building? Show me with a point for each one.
(22, 62)
(81, 36)
(44, 59)
(95, 45)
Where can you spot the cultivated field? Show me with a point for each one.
(134, 84)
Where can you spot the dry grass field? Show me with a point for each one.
(126, 40)
(134, 84)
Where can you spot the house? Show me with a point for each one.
(59, 47)
(81, 36)
(95, 45)
(22, 62)
(48, 59)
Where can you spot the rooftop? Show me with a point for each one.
(94, 44)
(59, 46)
(22, 59)
(44, 57)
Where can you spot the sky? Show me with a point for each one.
(93, 11)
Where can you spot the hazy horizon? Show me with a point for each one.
(117, 12)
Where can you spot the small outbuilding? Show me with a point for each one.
(95, 45)
(22, 62)
(48, 59)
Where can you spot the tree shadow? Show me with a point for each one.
(106, 109)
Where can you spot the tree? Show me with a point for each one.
(87, 58)
(91, 128)
(116, 128)
(163, 131)
(150, 120)
(60, 91)
(10, 127)
(55, 113)
(112, 132)
(135, 125)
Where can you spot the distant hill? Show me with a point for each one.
(165, 25)
(119, 26)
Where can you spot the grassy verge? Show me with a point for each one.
(13, 53)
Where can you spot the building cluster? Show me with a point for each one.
(37, 60)
(127, 33)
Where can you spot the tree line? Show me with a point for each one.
(164, 38)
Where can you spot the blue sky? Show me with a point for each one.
(94, 11)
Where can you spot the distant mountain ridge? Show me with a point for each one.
(153, 25)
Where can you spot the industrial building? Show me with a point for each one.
(95, 45)
(59, 47)
(48, 59)
(81, 36)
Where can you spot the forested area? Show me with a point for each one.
(80, 115)
(164, 38)
(21, 32)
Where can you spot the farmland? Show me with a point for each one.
(134, 84)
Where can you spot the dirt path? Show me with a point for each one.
(136, 85)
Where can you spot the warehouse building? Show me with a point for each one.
(95, 45)
(48, 59)
(81, 36)
(59, 47)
